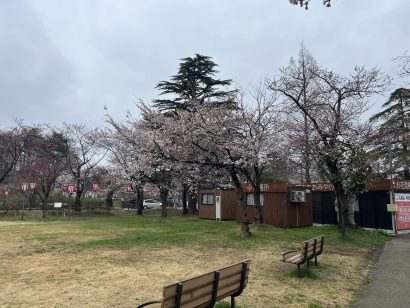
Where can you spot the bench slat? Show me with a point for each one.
(295, 258)
(231, 270)
(189, 284)
(197, 291)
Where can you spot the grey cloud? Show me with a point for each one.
(34, 76)
(70, 58)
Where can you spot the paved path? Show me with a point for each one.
(390, 278)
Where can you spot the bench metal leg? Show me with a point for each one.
(316, 260)
(308, 263)
(215, 289)
(300, 275)
(148, 303)
(232, 301)
(178, 295)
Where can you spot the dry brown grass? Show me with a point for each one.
(114, 277)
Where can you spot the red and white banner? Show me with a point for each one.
(403, 211)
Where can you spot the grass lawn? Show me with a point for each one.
(123, 260)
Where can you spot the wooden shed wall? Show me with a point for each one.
(207, 210)
(277, 211)
(228, 204)
(299, 215)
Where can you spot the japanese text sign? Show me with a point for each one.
(403, 211)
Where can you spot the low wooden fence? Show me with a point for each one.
(63, 209)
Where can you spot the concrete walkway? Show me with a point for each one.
(390, 278)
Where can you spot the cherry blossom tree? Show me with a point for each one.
(13, 142)
(340, 138)
(403, 65)
(121, 157)
(209, 136)
(148, 164)
(43, 162)
(261, 137)
(303, 88)
(83, 156)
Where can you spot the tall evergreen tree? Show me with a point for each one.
(393, 135)
(194, 82)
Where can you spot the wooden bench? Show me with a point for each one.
(207, 289)
(310, 249)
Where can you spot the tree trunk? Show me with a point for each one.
(108, 199)
(306, 153)
(184, 199)
(258, 215)
(192, 202)
(163, 194)
(349, 218)
(241, 196)
(406, 173)
(257, 199)
(31, 201)
(341, 201)
(140, 199)
(78, 193)
(77, 203)
(44, 208)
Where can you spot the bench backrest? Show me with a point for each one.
(312, 247)
(205, 290)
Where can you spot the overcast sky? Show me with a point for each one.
(63, 61)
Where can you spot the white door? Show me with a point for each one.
(218, 207)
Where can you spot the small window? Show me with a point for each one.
(207, 199)
(251, 201)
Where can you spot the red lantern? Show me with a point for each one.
(70, 188)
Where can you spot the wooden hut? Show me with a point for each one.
(283, 205)
(217, 204)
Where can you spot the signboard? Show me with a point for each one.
(58, 204)
(401, 185)
(262, 187)
(322, 187)
(403, 211)
(392, 207)
(267, 187)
